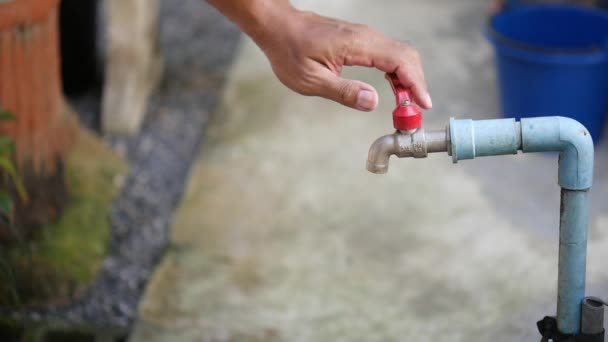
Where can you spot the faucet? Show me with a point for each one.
(409, 140)
(416, 144)
(467, 139)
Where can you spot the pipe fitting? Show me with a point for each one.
(592, 316)
(571, 139)
(472, 139)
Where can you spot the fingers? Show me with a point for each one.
(406, 63)
(417, 86)
(393, 56)
(354, 94)
(313, 51)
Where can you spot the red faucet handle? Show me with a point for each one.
(407, 116)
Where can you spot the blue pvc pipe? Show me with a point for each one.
(480, 138)
(469, 139)
(572, 260)
(563, 135)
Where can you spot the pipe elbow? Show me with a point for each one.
(380, 152)
(571, 139)
(576, 159)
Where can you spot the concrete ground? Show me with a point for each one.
(283, 235)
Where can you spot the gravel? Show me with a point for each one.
(198, 45)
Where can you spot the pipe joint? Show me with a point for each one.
(571, 139)
(470, 139)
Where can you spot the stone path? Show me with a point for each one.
(283, 236)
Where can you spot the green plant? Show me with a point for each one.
(6, 165)
(55, 264)
(6, 201)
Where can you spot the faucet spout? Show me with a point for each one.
(416, 144)
(380, 152)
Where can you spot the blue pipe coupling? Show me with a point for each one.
(470, 139)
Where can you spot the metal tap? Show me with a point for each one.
(417, 144)
(410, 139)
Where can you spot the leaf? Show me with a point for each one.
(6, 115)
(6, 146)
(8, 166)
(6, 204)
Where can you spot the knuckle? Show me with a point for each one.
(410, 52)
(306, 90)
(351, 32)
(351, 36)
(301, 87)
(345, 91)
(400, 53)
(411, 60)
(415, 55)
(346, 29)
(361, 28)
(305, 85)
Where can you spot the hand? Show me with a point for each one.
(308, 52)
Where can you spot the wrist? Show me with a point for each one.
(268, 18)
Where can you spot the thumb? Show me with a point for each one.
(351, 93)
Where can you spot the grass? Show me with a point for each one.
(65, 257)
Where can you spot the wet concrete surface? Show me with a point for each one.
(282, 235)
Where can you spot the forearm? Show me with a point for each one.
(257, 18)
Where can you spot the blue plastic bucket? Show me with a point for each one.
(552, 60)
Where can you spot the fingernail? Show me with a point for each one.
(366, 100)
(427, 99)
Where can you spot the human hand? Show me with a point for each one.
(308, 52)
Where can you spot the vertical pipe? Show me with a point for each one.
(572, 259)
(470, 139)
